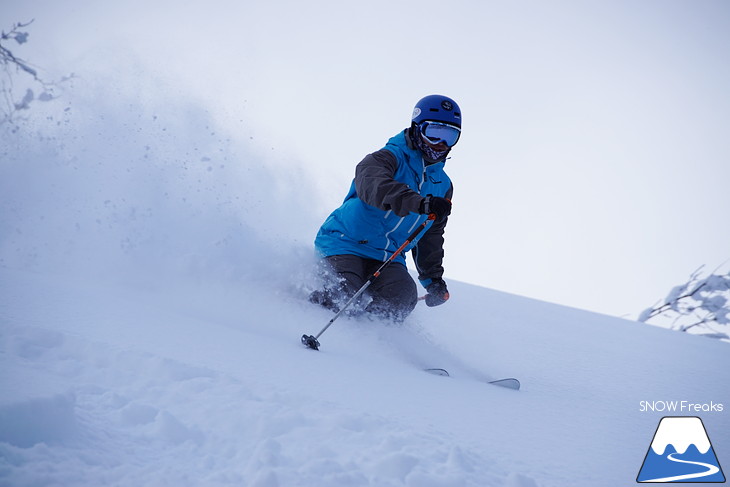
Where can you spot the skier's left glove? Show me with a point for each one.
(437, 293)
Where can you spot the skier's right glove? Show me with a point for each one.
(441, 207)
(437, 293)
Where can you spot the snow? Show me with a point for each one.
(690, 430)
(153, 270)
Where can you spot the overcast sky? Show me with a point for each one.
(594, 165)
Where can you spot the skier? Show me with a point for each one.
(394, 190)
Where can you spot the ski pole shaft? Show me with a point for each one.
(342, 310)
(311, 341)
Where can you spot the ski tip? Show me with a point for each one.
(510, 383)
(310, 342)
(441, 372)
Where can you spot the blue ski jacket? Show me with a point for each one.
(381, 209)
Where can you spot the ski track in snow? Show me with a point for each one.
(112, 427)
(98, 413)
(209, 423)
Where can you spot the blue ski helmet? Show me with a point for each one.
(437, 108)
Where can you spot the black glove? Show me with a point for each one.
(441, 207)
(437, 293)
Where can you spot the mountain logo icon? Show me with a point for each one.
(681, 452)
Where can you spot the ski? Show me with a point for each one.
(509, 383)
(441, 372)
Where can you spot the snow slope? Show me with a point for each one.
(152, 270)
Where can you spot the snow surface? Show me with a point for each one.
(152, 275)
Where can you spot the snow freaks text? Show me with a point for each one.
(680, 407)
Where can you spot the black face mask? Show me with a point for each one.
(430, 155)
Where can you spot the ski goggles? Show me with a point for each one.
(437, 132)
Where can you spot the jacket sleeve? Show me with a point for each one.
(428, 254)
(375, 185)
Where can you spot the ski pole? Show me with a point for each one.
(311, 340)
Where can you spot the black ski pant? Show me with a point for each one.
(392, 295)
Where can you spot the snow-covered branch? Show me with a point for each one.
(702, 304)
(12, 67)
